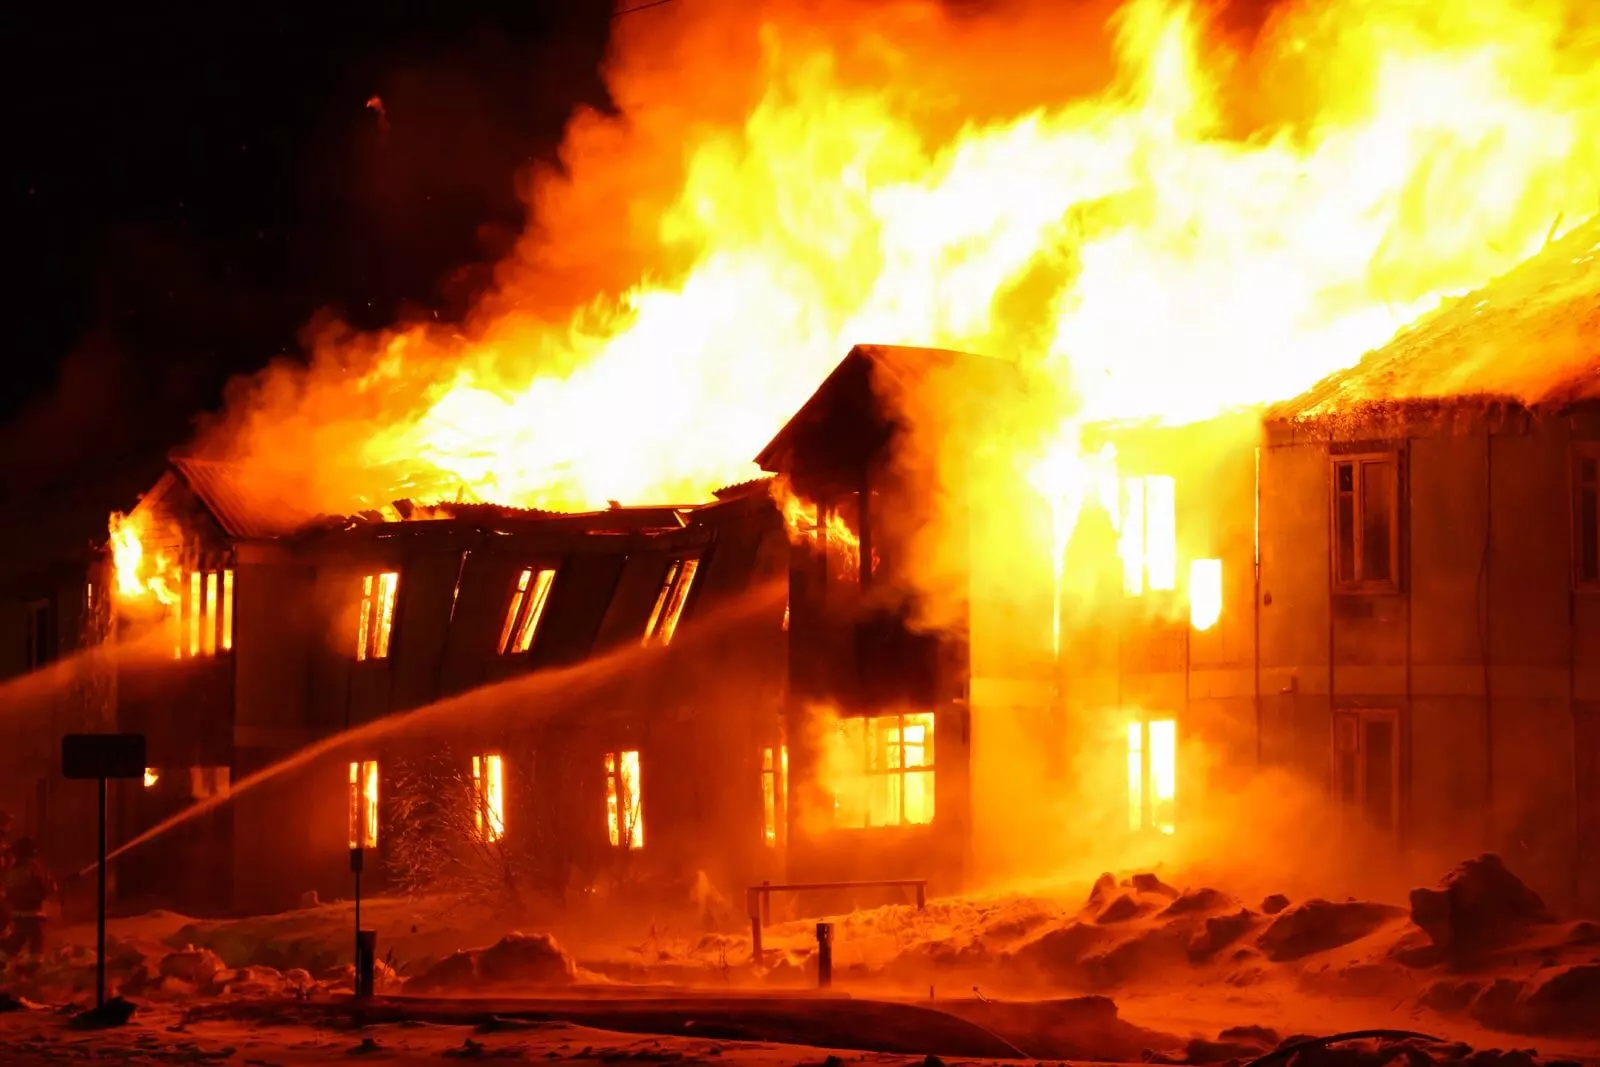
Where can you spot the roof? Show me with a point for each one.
(244, 512)
(1531, 336)
(850, 411)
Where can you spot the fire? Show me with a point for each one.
(1175, 244)
(137, 576)
(837, 537)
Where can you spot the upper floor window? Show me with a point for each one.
(1148, 539)
(1586, 517)
(674, 594)
(377, 615)
(204, 614)
(1366, 523)
(41, 634)
(774, 792)
(526, 609)
(1153, 775)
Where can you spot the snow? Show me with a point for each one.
(1136, 967)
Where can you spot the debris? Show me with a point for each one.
(1478, 905)
(1318, 925)
(1273, 904)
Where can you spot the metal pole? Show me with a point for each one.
(753, 906)
(824, 955)
(100, 933)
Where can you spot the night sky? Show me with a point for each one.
(188, 186)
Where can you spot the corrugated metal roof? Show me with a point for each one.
(244, 512)
(1531, 336)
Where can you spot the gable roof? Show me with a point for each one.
(244, 512)
(1531, 336)
(852, 414)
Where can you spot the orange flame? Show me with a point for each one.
(136, 576)
(1172, 245)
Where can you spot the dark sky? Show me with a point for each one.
(186, 186)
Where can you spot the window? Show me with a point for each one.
(1153, 775)
(526, 609)
(774, 793)
(1586, 517)
(204, 614)
(1205, 593)
(377, 615)
(664, 617)
(1366, 765)
(885, 771)
(1366, 523)
(624, 806)
(489, 797)
(364, 804)
(210, 782)
(41, 635)
(151, 777)
(1148, 536)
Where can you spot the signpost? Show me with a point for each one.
(102, 757)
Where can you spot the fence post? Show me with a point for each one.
(766, 903)
(752, 904)
(922, 896)
(824, 955)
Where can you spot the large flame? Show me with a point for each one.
(138, 575)
(1217, 225)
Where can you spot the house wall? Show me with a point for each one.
(1483, 652)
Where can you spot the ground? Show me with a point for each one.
(1133, 970)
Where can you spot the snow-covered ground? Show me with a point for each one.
(1131, 969)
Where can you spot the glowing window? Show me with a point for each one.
(364, 804)
(1148, 540)
(489, 796)
(668, 610)
(376, 624)
(774, 792)
(1205, 593)
(151, 777)
(1153, 775)
(624, 806)
(204, 614)
(884, 770)
(528, 600)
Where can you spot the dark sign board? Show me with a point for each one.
(102, 756)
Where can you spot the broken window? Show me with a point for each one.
(204, 614)
(1586, 517)
(1366, 765)
(774, 792)
(1148, 539)
(1153, 775)
(624, 805)
(41, 635)
(489, 796)
(670, 601)
(1366, 522)
(364, 804)
(884, 771)
(376, 624)
(526, 609)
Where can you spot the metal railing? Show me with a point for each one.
(758, 900)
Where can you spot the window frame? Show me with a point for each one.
(1580, 451)
(775, 794)
(1357, 808)
(1359, 584)
(534, 599)
(368, 615)
(623, 835)
(660, 609)
(204, 612)
(40, 633)
(897, 775)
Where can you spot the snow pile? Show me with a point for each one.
(522, 960)
(1479, 905)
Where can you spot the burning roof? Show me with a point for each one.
(1531, 336)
